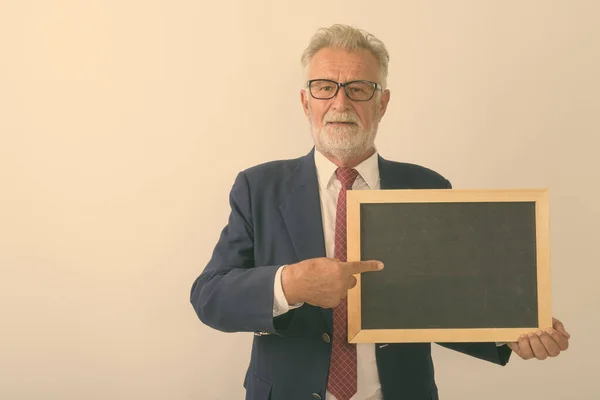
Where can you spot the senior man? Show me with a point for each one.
(279, 268)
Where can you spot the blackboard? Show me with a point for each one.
(459, 265)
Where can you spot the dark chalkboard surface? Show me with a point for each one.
(459, 265)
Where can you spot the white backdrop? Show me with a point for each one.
(123, 124)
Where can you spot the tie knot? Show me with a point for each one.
(346, 176)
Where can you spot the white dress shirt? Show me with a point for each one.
(368, 385)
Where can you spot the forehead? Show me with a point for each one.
(342, 66)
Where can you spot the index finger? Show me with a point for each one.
(357, 267)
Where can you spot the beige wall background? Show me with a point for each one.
(123, 124)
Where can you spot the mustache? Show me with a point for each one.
(342, 117)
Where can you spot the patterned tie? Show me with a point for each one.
(342, 367)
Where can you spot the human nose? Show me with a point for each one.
(341, 100)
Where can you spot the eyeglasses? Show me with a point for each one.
(325, 89)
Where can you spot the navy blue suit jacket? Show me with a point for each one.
(275, 219)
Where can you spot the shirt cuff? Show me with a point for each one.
(280, 303)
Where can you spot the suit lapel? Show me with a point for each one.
(301, 212)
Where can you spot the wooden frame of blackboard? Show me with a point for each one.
(357, 198)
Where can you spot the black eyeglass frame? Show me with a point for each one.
(376, 87)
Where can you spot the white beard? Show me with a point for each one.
(344, 143)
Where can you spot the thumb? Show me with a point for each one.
(560, 327)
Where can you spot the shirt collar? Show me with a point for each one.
(368, 170)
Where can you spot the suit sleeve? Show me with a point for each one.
(483, 351)
(232, 294)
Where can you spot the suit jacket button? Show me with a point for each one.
(326, 338)
(316, 396)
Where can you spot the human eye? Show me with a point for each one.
(357, 89)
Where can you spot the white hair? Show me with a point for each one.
(350, 39)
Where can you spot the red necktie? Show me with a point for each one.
(342, 367)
